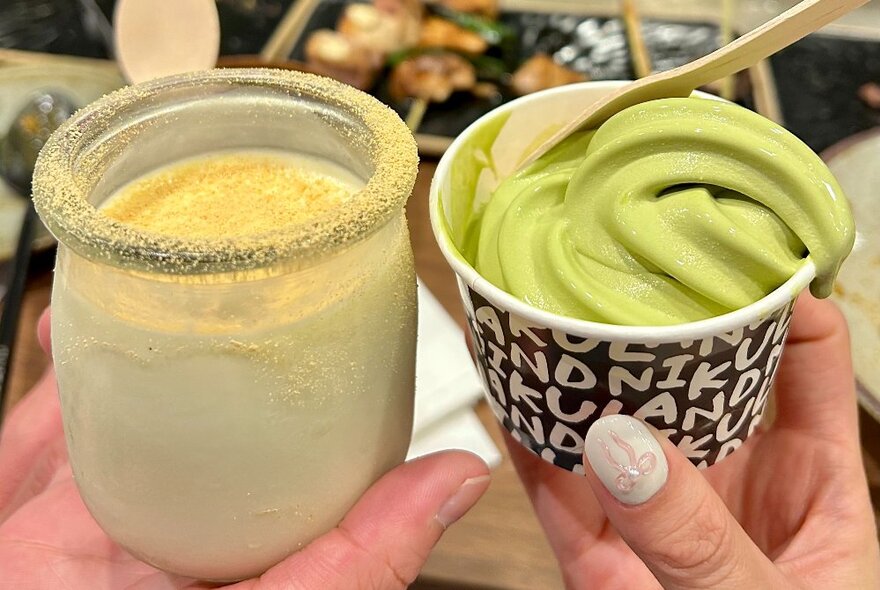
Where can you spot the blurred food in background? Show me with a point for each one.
(461, 58)
(82, 27)
(521, 52)
(424, 51)
(540, 72)
(454, 60)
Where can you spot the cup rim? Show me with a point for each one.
(61, 197)
(728, 322)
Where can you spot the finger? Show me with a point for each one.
(589, 552)
(469, 342)
(31, 439)
(815, 387)
(43, 331)
(385, 538)
(31, 445)
(565, 507)
(38, 413)
(668, 513)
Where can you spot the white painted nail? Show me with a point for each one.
(626, 458)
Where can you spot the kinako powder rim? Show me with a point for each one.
(61, 190)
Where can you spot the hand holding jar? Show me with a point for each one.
(48, 538)
(234, 311)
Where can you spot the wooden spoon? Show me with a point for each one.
(155, 38)
(790, 26)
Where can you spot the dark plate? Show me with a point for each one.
(592, 45)
(817, 80)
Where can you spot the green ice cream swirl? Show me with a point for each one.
(672, 211)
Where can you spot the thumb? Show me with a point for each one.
(386, 537)
(668, 513)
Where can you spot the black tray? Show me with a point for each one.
(592, 45)
(817, 80)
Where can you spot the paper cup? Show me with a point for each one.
(548, 378)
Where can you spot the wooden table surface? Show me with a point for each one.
(499, 544)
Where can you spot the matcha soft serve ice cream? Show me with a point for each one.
(672, 211)
(598, 280)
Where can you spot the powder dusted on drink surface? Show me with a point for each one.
(232, 194)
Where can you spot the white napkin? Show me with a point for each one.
(447, 387)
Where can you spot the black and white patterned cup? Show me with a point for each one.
(548, 378)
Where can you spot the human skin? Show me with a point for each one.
(789, 509)
(48, 539)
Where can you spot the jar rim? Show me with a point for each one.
(61, 197)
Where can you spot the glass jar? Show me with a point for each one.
(227, 401)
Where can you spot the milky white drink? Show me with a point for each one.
(239, 368)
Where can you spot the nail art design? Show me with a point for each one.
(627, 459)
(629, 474)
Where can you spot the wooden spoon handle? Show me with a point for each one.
(790, 26)
(778, 33)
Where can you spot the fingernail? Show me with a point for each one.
(462, 500)
(626, 458)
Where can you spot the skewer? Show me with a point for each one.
(641, 59)
(416, 113)
(283, 38)
(728, 84)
